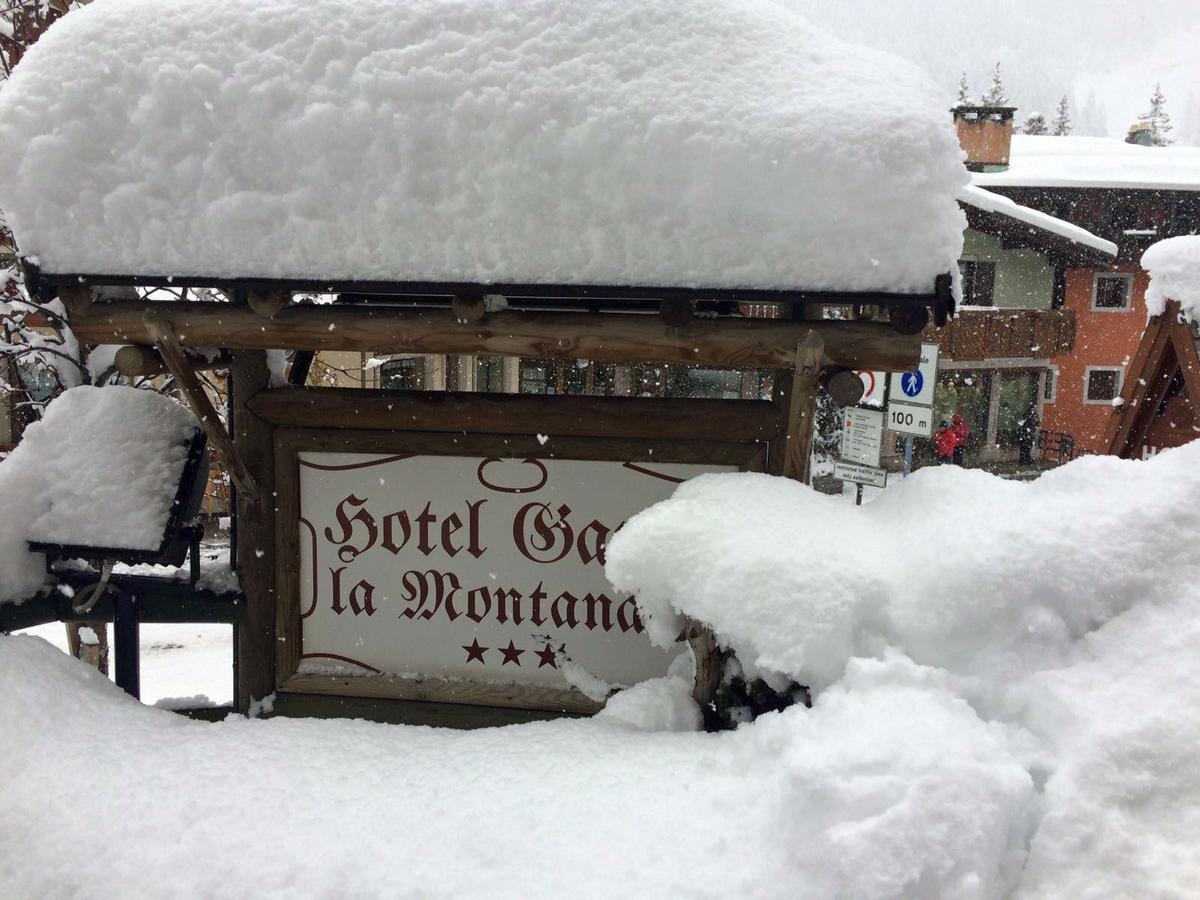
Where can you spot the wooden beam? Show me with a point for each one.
(440, 411)
(185, 378)
(844, 386)
(802, 408)
(266, 302)
(133, 361)
(731, 343)
(468, 308)
(254, 640)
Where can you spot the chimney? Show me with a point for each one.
(985, 133)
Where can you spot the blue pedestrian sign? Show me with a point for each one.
(911, 383)
(916, 387)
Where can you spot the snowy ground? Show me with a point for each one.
(192, 663)
(1013, 715)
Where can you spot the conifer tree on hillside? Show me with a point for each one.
(1157, 119)
(964, 92)
(1062, 118)
(996, 95)
(1035, 124)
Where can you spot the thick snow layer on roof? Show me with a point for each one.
(1174, 267)
(1079, 162)
(685, 142)
(1069, 771)
(100, 468)
(996, 203)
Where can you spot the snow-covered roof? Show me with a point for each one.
(1079, 162)
(996, 203)
(717, 143)
(1174, 267)
(101, 468)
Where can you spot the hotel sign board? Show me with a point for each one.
(465, 569)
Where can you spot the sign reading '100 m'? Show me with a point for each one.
(471, 568)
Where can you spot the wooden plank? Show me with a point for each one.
(443, 690)
(1146, 363)
(288, 635)
(743, 454)
(185, 378)
(592, 293)
(733, 420)
(732, 343)
(406, 712)
(802, 409)
(254, 653)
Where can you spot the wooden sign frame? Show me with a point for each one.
(591, 438)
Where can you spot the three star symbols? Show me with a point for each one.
(511, 654)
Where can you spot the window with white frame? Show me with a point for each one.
(1112, 293)
(1050, 385)
(1102, 384)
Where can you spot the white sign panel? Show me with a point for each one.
(862, 435)
(917, 387)
(469, 568)
(874, 387)
(859, 474)
(908, 418)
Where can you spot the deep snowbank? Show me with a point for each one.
(1174, 267)
(965, 571)
(100, 468)
(679, 142)
(842, 800)
(979, 734)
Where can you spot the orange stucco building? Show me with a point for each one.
(1079, 400)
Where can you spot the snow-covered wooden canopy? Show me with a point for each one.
(684, 143)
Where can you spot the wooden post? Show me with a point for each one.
(790, 456)
(254, 645)
(185, 377)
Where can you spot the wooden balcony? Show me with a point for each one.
(978, 334)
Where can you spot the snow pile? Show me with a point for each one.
(1048, 161)
(101, 468)
(680, 142)
(997, 203)
(845, 799)
(1174, 267)
(1008, 709)
(965, 571)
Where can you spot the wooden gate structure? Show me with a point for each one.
(270, 428)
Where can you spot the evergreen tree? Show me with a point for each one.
(1157, 119)
(1035, 124)
(1062, 119)
(996, 95)
(964, 92)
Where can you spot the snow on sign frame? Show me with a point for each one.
(468, 569)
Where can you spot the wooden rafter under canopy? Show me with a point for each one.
(1159, 403)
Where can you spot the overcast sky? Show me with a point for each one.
(1114, 50)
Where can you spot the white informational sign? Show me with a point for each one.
(471, 568)
(917, 387)
(862, 435)
(874, 387)
(859, 474)
(908, 418)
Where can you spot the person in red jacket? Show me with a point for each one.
(944, 442)
(961, 432)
